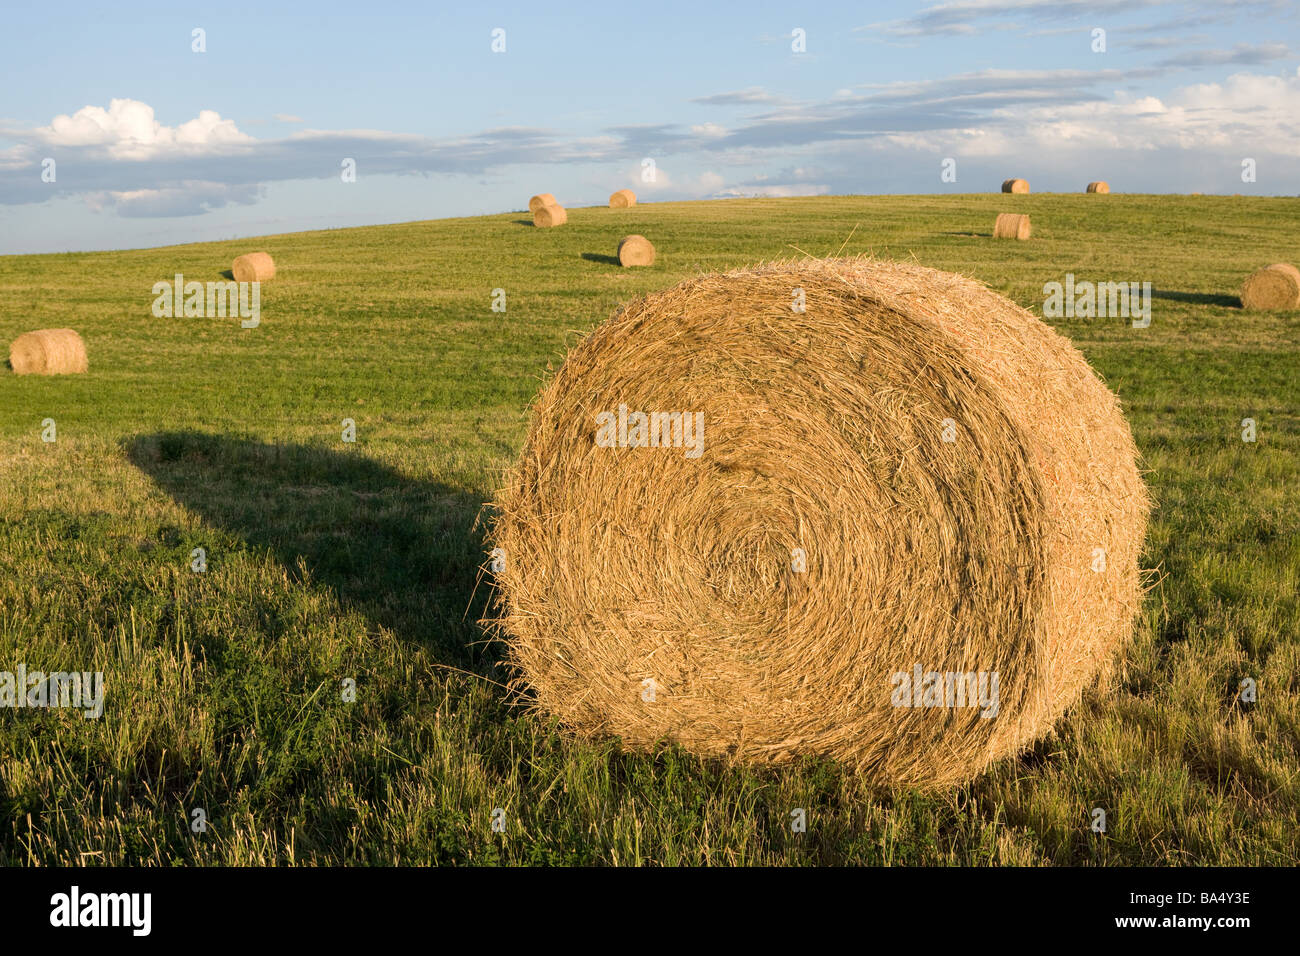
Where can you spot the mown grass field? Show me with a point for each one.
(329, 561)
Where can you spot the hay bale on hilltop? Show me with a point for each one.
(540, 200)
(1011, 225)
(636, 251)
(622, 199)
(1098, 187)
(48, 352)
(1015, 186)
(253, 267)
(1273, 287)
(732, 578)
(551, 215)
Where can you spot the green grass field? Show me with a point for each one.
(329, 561)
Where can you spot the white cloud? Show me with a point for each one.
(190, 198)
(709, 182)
(128, 130)
(16, 157)
(1247, 112)
(704, 185)
(775, 192)
(745, 97)
(1051, 123)
(709, 129)
(661, 182)
(288, 118)
(959, 17)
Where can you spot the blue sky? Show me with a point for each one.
(156, 144)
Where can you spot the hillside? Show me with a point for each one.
(330, 560)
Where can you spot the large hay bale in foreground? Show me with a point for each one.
(48, 352)
(1015, 186)
(1011, 225)
(1273, 287)
(622, 199)
(636, 251)
(540, 200)
(550, 216)
(254, 267)
(1098, 187)
(910, 477)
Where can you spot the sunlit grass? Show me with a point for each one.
(330, 561)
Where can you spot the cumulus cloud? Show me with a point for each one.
(129, 130)
(998, 111)
(1057, 126)
(704, 185)
(871, 138)
(1246, 111)
(662, 181)
(127, 160)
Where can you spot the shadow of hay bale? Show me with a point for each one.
(1198, 298)
(403, 552)
(601, 257)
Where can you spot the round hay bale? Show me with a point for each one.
(540, 200)
(1011, 225)
(253, 267)
(622, 199)
(1015, 186)
(636, 251)
(1273, 287)
(550, 216)
(48, 352)
(1098, 187)
(909, 478)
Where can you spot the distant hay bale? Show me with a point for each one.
(1273, 287)
(1015, 186)
(1011, 225)
(48, 352)
(552, 215)
(1098, 187)
(622, 199)
(254, 267)
(540, 200)
(636, 251)
(763, 533)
